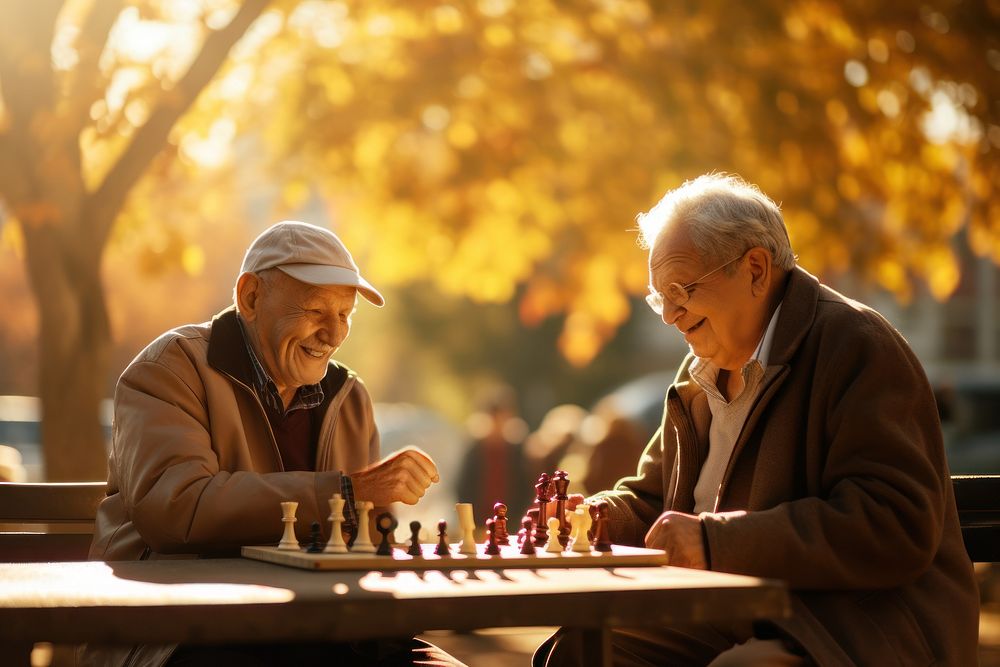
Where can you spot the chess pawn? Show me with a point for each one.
(385, 524)
(500, 521)
(288, 539)
(528, 545)
(363, 542)
(552, 544)
(414, 549)
(492, 548)
(442, 548)
(580, 519)
(336, 544)
(602, 541)
(467, 524)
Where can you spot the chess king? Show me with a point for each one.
(799, 441)
(216, 424)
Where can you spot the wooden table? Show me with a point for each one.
(241, 600)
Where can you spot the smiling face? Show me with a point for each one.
(295, 327)
(722, 320)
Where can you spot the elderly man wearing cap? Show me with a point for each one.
(216, 424)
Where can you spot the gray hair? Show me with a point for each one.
(725, 216)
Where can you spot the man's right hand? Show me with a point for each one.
(403, 476)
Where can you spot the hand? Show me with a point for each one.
(575, 500)
(403, 476)
(679, 535)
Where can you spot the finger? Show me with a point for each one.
(424, 462)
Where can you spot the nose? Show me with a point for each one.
(671, 313)
(333, 332)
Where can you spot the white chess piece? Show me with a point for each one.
(336, 545)
(581, 521)
(552, 545)
(363, 542)
(467, 524)
(288, 539)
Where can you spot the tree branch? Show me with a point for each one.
(84, 84)
(106, 201)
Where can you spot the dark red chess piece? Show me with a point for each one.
(442, 548)
(560, 481)
(500, 520)
(385, 524)
(414, 549)
(528, 546)
(492, 548)
(602, 541)
(543, 494)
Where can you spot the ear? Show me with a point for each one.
(759, 262)
(248, 289)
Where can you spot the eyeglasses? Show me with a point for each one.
(678, 294)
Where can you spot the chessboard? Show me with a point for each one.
(509, 557)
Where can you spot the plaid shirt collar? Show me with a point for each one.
(307, 397)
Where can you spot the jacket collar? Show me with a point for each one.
(798, 310)
(227, 354)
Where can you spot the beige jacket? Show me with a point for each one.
(194, 467)
(842, 471)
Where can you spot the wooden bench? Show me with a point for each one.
(978, 500)
(42, 522)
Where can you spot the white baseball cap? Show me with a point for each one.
(308, 253)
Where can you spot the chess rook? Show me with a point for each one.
(500, 521)
(288, 539)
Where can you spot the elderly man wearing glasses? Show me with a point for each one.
(800, 442)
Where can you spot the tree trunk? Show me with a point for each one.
(75, 344)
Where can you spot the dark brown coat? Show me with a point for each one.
(841, 472)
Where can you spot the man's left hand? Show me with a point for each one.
(679, 535)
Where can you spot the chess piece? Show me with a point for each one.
(385, 523)
(500, 521)
(336, 544)
(581, 526)
(552, 543)
(532, 514)
(288, 539)
(363, 542)
(492, 548)
(315, 539)
(560, 482)
(528, 546)
(467, 524)
(414, 549)
(602, 542)
(543, 494)
(442, 546)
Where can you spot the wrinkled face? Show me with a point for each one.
(296, 327)
(721, 319)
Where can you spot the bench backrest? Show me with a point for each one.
(978, 500)
(47, 521)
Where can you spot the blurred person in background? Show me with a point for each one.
(799, 441)
(493, 468)
(555, 444)
(216, 424)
